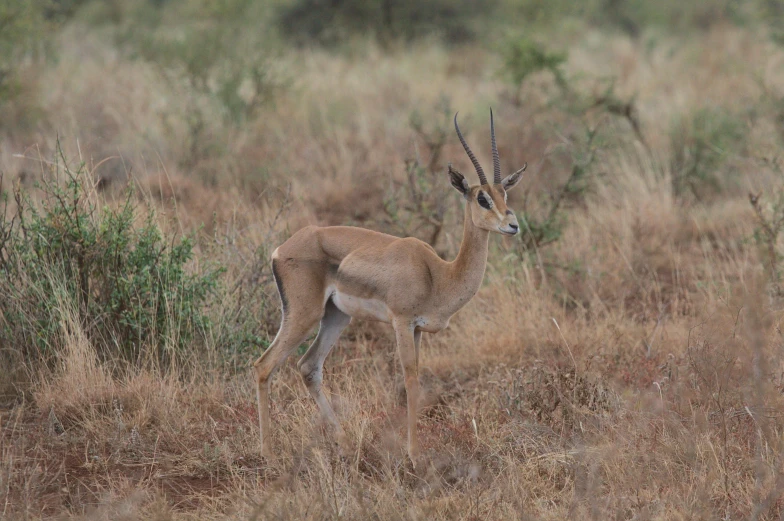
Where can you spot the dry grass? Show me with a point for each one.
(630, 370)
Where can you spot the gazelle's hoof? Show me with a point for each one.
(266, 452)
(344, 446)
(419, 463)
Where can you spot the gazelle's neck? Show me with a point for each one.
(468, 268)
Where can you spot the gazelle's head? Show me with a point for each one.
(488, 202)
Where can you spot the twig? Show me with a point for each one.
(574, 363)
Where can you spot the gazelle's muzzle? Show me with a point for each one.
(510, 227)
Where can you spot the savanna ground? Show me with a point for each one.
(623, 359)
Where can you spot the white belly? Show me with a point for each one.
(361, 307)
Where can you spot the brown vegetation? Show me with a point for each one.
(629, 366)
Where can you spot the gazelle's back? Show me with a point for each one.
(354, 262)
(334, 243)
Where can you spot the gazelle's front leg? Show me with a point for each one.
(407, 337)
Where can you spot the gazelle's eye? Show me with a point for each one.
(483, 201)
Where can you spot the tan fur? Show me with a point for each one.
(332, 274)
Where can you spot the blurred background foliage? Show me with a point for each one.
(222, 47)
(212, 27)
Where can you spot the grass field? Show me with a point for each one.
(623, 359)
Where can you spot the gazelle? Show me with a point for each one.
(332, 274)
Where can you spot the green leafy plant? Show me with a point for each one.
(634, 16)
(213, 56)
(25, 30)
(334, 22)
(523, 57)
(702, 144)
(137, 297)
(770, 222)
(547, 228)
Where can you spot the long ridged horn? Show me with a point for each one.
(496, 159)
(471, 156)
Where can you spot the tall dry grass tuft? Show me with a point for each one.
(79, 382)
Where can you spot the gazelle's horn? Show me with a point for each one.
(471, 156)
(496, 159)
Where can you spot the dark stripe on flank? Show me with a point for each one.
(282, 293)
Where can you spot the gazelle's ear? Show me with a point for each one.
(459, 181)
(512, 179)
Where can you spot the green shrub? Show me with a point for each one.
(331, 22)
(768, 206)
(770, 220)
(773, 13)
(701, 144)
(23, 27)
(633, 16)
(137, 298)
(546, 226)
(524, 57)
(216, 49)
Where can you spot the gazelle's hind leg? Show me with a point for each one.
(290, 336)
(312, 363)
(302, 309)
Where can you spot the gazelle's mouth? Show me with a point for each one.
(508, 231)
